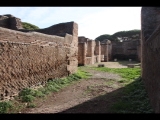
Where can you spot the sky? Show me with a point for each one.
(92, 21)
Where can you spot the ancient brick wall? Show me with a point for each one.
(58, 29)
(4, 21)
(10, 22)
(30, 59)
(126, 50)
(139, 52)
(106, 50)
(110, 52)
(150, 43)
(82, 50)
(98, 51)
(82, 47)
(89, 51)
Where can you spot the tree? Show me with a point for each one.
(130, 34)
(29, 26)
(105, 36)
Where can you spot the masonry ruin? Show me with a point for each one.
(150, 44)
(125, 50)
(31, 57)
(91, 51)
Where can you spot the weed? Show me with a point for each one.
(31, 105)
(39, 93)
(5, 106)
(27, 98)
(134, 98)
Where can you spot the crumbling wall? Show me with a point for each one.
(126, 50)
(30, 59)
(4, 21)
(82, 50)
(10, 22)
(106, 50)
(82, 47)
(98, 51)
(88, 51)
(58, 29)
(150, 43)
(139, 51)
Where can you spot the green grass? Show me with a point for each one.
(5, 106)
(28, 95)
(128, 74)
(134, 98)
(31, 105)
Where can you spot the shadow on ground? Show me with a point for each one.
(104, 103)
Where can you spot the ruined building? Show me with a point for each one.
(29, 58)
(106, 50)
(150, 43)
(129, 49)
(91, 51)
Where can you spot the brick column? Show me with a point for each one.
(81, 53)
(98, 51)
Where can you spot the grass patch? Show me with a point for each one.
(31, 105)
(5, 106)
(28, 95)
(134, 98)
(128, 74)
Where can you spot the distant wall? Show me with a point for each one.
(82, 53)
(30, 59)
(126, 50)
(150, 43)
(89, 51)
(98, 51)
(106, 50)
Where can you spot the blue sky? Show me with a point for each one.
(92, 21)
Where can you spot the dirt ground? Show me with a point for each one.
(93, 95)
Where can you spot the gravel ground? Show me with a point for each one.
(84, 96)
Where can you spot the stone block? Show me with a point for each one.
(130, 65)
(101, 65)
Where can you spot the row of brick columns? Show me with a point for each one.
(91, 51)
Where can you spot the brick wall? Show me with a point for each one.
(98, 51)
(10, 22)
(30, 59)
(106, 50)
(81, 53)
(126, 50)
(89, 51)
(150, 43)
